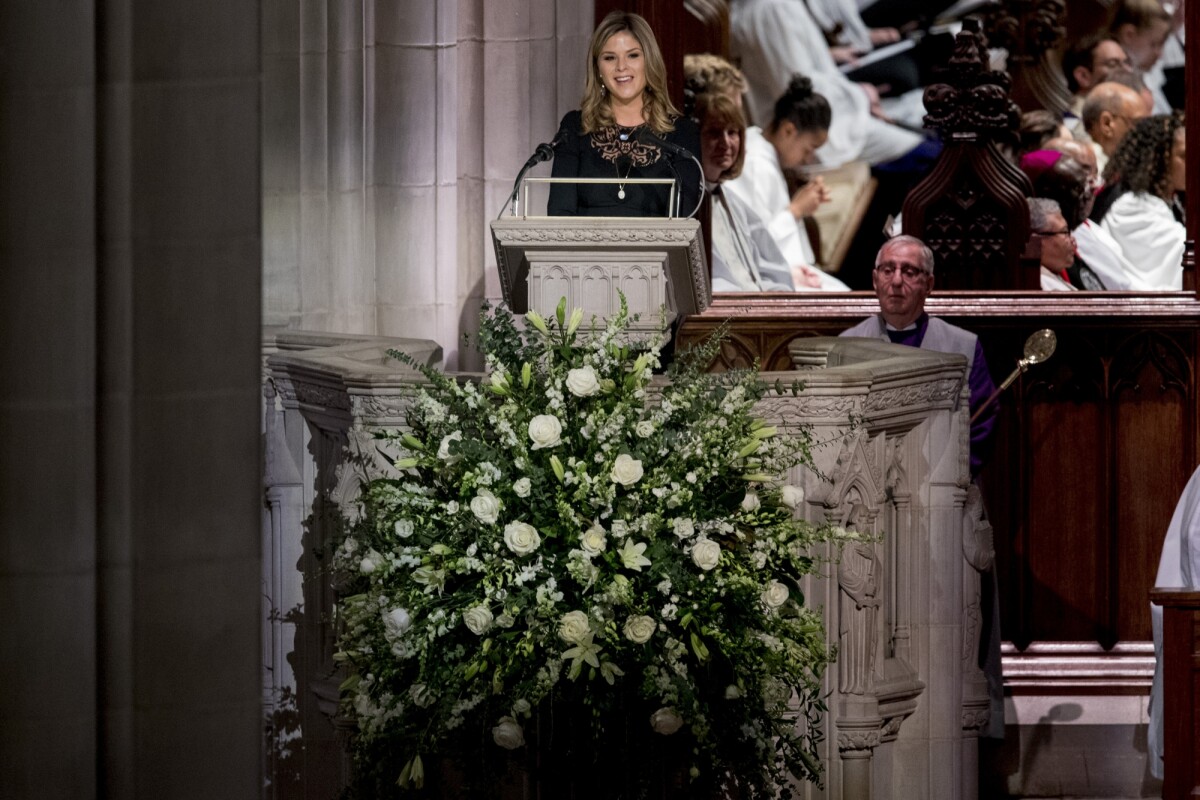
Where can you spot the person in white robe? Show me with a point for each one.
(1179, 567)
(775, 39)
(1138, 203)
(799, 125)
(743, 255)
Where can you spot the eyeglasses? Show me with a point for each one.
(907, 271)
(1063, 232)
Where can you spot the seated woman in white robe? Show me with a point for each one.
(1058, 248)
(1099, 263)
(776, 39)
(1138, 204)
(799, 126)
(744, 256)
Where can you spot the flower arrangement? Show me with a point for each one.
(569, 536)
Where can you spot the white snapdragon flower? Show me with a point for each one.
(775, 594)
(751, 502)
(620, 528)
(478, 619)
(522, 487)
(683, 527)
(508, 733)
(666, 721)
(545, 430)
(639, 628)
(521, 537)
(583, 382)
(626, 470)
(486, 507)
(706, 554)
(593, 540)
(574, 627)
(792, 496)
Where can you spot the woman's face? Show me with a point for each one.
(1179, 162)
(794, 147)
(622, 67)
(719, 147)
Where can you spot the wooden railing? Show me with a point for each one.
(1181, 691)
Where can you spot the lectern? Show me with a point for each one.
(657, 263)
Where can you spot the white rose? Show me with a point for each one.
(444, 447)
(478, 619)
(684, 528)
(792, 496)
(404, 528)
(545, 430)
(639, 628)
(644, 429)
(505, 620)
(750, 502)
(370, 562)
(583, 382)
(508, 734)
(666, 721)
(732, 692)
(706, 553)
(775, 595)
(620, 528)
(522, 707)
(626, 470)
(573, 626)
(522, 487)
(521, 537)
(485, 506)
(395, 623)
(593, 540)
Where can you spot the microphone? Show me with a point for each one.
(649, 137)
(673, 150)
(545, 151)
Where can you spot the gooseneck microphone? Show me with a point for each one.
(544, 152)
(675, 151)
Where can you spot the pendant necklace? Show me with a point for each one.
(622, 179)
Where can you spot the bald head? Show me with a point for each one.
(1110, 112)
(1076, 150)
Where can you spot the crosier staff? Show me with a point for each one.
(1038, 347)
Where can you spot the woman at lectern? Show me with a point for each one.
(626, 127)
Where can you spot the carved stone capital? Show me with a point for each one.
(858, 741)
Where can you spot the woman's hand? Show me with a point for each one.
(804, 275)
(844, 54)
(808, 197)
(883, 36)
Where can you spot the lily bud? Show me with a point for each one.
(535, 319)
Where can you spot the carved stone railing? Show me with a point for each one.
(906, 700)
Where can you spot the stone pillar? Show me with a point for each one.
(129, 488)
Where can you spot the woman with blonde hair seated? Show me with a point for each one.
(744, 256)
(626, 127)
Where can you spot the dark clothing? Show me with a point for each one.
(616, 152)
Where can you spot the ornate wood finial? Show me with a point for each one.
(971, 208)
(1032, 32)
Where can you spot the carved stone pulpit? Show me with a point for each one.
(655, 263)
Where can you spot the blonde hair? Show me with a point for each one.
(704, 73)
(719, 108)
(657, 108)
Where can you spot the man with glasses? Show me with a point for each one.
(903, 278)
(1110, 112)
(1086, 65)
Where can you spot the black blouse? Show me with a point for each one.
(616, 152)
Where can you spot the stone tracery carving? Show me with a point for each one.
(860, 575)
